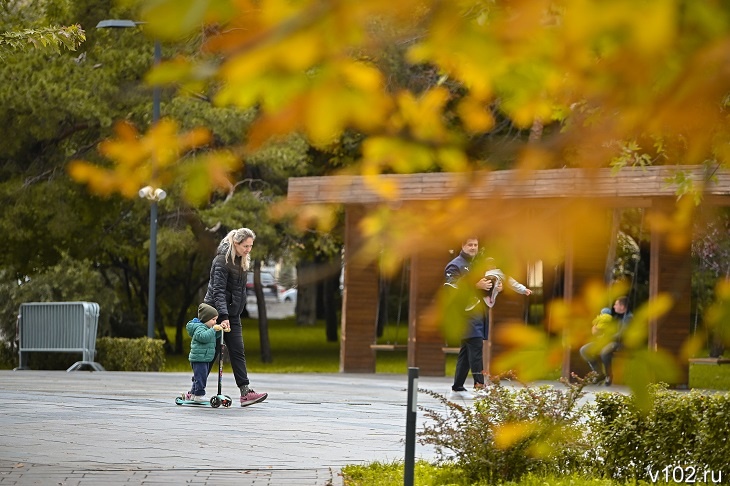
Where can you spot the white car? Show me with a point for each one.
(289, 295)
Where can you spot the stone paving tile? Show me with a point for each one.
(30, 474)
(124, 428)
(119, 428)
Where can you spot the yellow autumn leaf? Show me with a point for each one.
(175, 19)
(424, 114)
(522, 335)
(387, 189)
(299, 52)
(452, 159)
(138, 160)
(475, 115)
(510, 434)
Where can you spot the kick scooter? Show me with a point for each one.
(219, 399)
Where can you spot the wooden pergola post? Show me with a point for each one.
(425, 340)
(359, 301)
(670, 272)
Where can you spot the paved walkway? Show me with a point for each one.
(90, 428)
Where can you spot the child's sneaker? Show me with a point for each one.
(252, 397)
(186, 396)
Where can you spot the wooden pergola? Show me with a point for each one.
(670, 271)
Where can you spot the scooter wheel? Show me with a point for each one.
(215, 402)
(227, 402)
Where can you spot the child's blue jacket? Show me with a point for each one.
(202, 345)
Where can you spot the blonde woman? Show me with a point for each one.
(227, 293)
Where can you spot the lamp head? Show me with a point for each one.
(116, 24)
(146, 192)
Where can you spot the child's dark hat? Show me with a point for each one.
(206, 312)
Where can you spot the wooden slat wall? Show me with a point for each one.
(553, 183)
(359, 302)
(425, 339)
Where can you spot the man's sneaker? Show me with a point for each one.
(461, 393)
(199, 398)
(252, 397)
(599, 379)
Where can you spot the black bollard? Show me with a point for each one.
(410, 460)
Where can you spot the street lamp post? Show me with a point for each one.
(154, 195)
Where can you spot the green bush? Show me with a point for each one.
(8, 356)
(510, 432)
(678, 429)
(68, 281)
(122, 354)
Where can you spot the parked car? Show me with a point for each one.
(268, 284)
(289, 295)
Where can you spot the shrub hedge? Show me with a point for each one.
(688, 430)
(509, 433)
(122, 354)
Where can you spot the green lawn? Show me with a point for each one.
(304, 349)
(295, 349)
(709, 376)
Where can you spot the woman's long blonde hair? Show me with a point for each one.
(226, 247)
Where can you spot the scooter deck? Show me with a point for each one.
(219, 400)
(180, 401)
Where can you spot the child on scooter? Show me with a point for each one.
(204, 333)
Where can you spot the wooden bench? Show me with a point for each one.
(710, 361)
(389, 347)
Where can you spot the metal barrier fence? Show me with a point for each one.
(61, 327)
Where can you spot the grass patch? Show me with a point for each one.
(295, 349)
(709, 376)
(425, 474)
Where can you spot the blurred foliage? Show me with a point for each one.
(312, 88)
(428, 86)
(56, 107)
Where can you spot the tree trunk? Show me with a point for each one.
(331, 289)
(382, 315)
(263, 318)
(611, 257)
(536, 130)
(306, 293)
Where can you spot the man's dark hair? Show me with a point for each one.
(623, 300)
